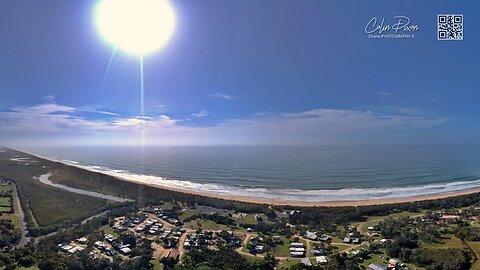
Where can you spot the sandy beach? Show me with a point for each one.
(310, 204)
(251, 199)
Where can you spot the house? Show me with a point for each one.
(75, 249)
(100, 245)
(297, 249)
(383, 241)
(249, 230)
(325, 238)
(347, 240)
(392, 263)
(277, 240)
(295, 254)
(293, 212)
(377, 266)
(66, 248)
(82, 240)
(126, 250)
(259, 249)
(306, 261)
(355, 240)
(321, 259)
(311, 235)
(296, 244)
(318, 252)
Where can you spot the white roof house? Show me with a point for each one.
(306, 261)
(297, 254)
(75, 249)
(126, 250)
(321, 259)
(296, 244)
(66, 248)
(82, 240)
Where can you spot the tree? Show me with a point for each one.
(27, 261)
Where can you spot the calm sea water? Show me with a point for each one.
(296, 173)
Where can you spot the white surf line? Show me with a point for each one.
(44, 178)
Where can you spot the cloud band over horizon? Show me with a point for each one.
(53, 123)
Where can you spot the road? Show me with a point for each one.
(21, 218)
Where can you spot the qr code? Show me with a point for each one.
(450, 27)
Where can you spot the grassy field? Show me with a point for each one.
(156, 265)
(449, 241)
(341, 247)
(475, 246)
(205, 225)
(109, 230)
(248, 219)
(282, 250)
(5, 204)
(375, 259)
(185, 214)
(28, 268)
(286, 264)
(5, 201)
(5, 187)
(47, 204)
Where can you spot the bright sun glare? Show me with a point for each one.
(135, 26)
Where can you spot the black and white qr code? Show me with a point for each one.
(450, 27)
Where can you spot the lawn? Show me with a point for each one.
(374, 259)
(282, 250)
(27, 268)
(11, 217)
(449, 241)
(286, 264)
(48, 205)
(205, 225)
(341, 247)
(475, 246)
(5, 201)
(109, 230)
(156, 265)
(4, 187)
(249, 219)
(185, 214)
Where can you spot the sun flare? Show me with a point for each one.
(135, 26)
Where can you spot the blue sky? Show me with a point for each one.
(241, 72)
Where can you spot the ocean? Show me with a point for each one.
(287, 173)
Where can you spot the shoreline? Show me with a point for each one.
(247, 199)
(279, 202)
(45, 179)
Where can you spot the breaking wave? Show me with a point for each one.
(292, 195)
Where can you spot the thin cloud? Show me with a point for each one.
(45, 108)
(383, 93)
(222, 96)
(200, 114)
(320, 126)
(96, 110)
(49, 98)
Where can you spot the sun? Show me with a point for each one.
(135, 26)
